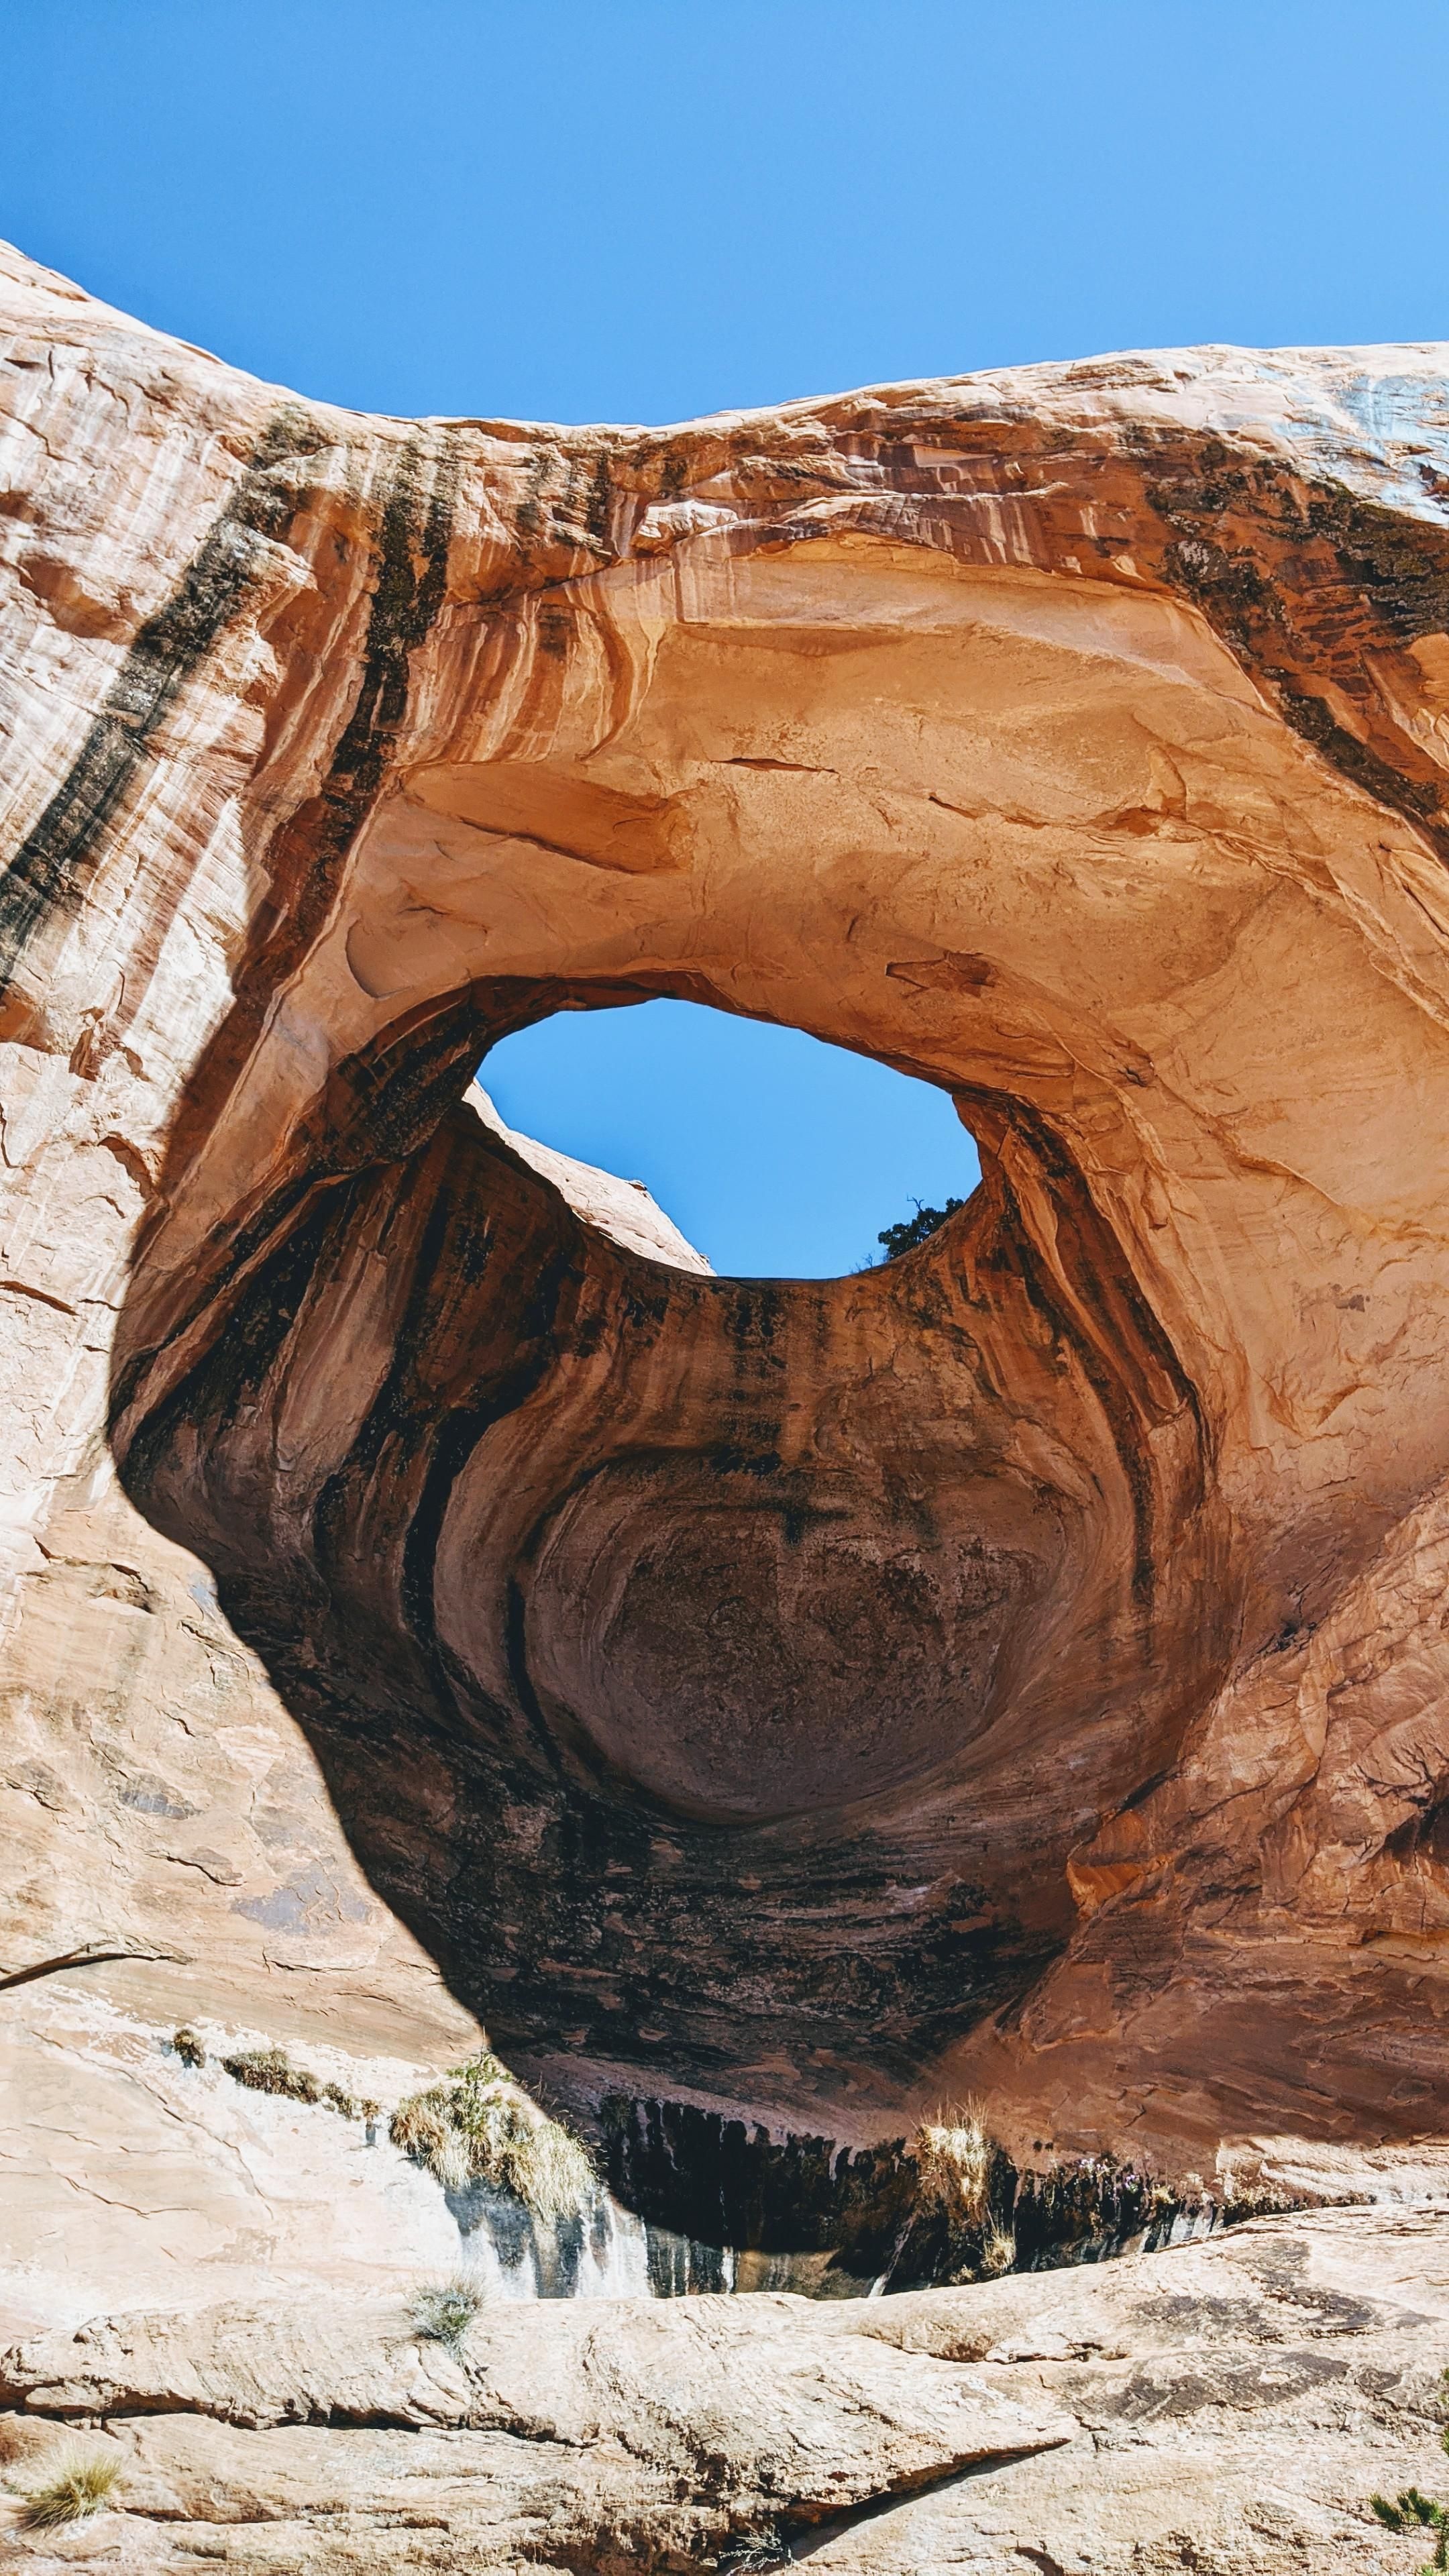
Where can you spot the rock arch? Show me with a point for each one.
(807, 1694)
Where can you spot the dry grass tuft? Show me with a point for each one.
(270, 2070)
(444, 2310)
(78, 2483)
(188, 2047)
(480, 2126)
(998, 2251)
(549, 2169)
(423, 2131)
(952, 2154)
(759, 2550)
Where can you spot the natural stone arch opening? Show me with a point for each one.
(746, 1603)
(743, 1589)
(1024, 816)
(712, 1607)
(514, 1548)
(728, 1144)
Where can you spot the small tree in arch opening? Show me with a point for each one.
(915, 1229)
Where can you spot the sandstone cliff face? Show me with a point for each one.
(1020, 1666)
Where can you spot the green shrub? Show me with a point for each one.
(916, 1229)
(77, 2483)
(1411, 2511)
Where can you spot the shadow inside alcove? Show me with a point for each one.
(664, 1639)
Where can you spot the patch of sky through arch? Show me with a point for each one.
(778, 1156)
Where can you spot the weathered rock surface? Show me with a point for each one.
(645, 2431)
(1022, 1666)
(1229, 2406)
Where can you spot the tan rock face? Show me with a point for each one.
(1232, 2405)
(1018, 1666)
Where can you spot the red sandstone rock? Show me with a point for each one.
(1020, 1666)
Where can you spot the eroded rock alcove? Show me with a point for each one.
(766, 1636)
(1020, 1667)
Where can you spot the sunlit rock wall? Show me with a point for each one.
(1016, 1669)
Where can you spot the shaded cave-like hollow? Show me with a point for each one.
(733, 1614)
(713, 1672)
(685, 1653)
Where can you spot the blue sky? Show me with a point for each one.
(778, 1156)
(647, 209)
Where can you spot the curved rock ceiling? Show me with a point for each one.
(1020, 1665)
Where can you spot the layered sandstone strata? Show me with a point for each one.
(1020, 1666)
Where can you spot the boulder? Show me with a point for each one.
(635, 2431)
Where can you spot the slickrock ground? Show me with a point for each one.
(1228, 2406)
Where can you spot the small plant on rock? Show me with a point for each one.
(913, 1230)
(444, 2310)
(758, 2551)
(270, 2070)
(998, 2251)
(77, 2483)
(952, 2155)
(549, 2169)
(188, 2047)
(480, 2126)
(1411, 2511)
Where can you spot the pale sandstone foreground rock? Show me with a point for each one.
(128, 2179)
(630, 2434)
(1228, 2406)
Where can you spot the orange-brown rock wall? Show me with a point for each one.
(1017, 1667)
